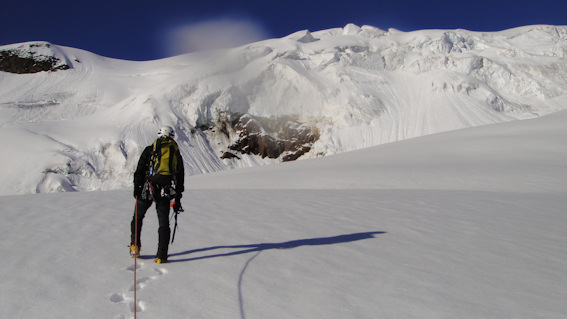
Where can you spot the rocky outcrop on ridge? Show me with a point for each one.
(284, 138)
(30, 58)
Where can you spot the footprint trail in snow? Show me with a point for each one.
(144, 276)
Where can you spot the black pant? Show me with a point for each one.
(162, 208)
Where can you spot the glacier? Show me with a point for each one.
(82, 125)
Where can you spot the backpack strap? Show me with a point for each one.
(172, 155)
(155, 157)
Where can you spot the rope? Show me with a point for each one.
(135, 255)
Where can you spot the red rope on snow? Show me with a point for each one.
(135, 254)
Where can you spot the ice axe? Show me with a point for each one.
(175, 213)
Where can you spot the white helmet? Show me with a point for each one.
(166, 131)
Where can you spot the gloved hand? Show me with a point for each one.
(177, 206)
(137, 191)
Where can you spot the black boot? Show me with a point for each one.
(163, 244)
(133, 239)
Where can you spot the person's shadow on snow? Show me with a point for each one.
(243, 249)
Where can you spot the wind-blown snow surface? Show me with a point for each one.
(84, 128)
(463, 224)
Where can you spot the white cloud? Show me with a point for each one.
(212, 34)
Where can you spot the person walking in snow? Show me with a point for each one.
(158, 178)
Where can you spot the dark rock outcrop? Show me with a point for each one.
(283, 138)
(24, 60)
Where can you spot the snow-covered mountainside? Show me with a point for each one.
(82, 124)
(465, 224)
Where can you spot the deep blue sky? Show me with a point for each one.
(145, 30)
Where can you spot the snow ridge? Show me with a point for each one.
(83, 128)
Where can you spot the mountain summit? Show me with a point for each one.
(72, 120)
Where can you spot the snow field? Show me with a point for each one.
(315, 253)
(323, 243)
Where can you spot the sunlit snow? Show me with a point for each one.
(464, 216)
(356, 86)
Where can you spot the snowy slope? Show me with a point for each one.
(83, 128)
(519, 156)
(462, 224)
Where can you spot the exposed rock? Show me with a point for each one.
(283, 138)
(226, 155)
(30, 58)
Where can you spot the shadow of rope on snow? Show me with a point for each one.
(240, 277)
(258, 248)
